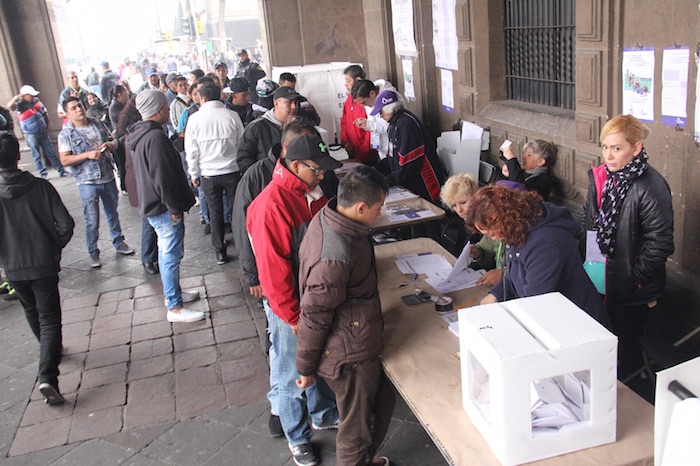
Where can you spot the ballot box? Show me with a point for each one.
(538, 377)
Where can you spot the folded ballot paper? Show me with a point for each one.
(440, 274)
(557, 402)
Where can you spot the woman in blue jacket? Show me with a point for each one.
(541, 251)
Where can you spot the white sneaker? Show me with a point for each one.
(185, 315)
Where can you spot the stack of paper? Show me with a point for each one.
(459, 277)
(403, 212)
(397, 193)
(452, 321)
(557, 402)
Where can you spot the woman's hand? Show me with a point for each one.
(491, 277)
(507, 153)
(474, 251)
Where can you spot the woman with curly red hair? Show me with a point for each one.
(542, 253)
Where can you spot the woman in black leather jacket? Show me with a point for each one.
(629, 212)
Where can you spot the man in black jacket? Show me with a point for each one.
(34, 227)
(164, 195)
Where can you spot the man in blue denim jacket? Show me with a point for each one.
(86, 146)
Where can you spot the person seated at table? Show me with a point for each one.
(540, 248)
(456, 195)
(338, 291)
(412, 162)
(535, 171)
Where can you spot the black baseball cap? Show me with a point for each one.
(238, 85)
(219, 64)
(285, 92)
(311, 147)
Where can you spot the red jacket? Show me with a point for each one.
(276, 222)
(357, 137)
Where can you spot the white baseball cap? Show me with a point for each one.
(27, 89)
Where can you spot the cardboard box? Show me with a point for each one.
(509, 348)
(459, 156)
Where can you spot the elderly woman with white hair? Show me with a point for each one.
(412, 161)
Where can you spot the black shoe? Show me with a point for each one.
(221, 257)
(51, 394)
(207, 229)
(275, 426)
(151, 268)
(227, 227)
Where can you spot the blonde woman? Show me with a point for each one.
(456, 195)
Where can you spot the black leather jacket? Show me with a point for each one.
(637, 273)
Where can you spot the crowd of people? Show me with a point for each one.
(247, 151)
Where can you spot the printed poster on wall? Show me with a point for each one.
(445, 40)
(638, 83)
(409, 90)
(402, 18)
(674, 87)
(448, 94)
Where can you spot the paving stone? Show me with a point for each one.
(246, 391)
(95, 452)
(152, 288)
(108, 323)
(148, 302)
(137, 439)
(22, 355)
(113, 296)
(89, 300)
(234, 332)
(195, 358)
(52, 434)
(76, 329)
(69, 383)
(184, 327)
(95, 424)
(37, 411)
(190, 442)
(216, 277)
(151, 348)
(142, 460)
(106, 309)
(105, 396)
(72, 362)
(152, 387)
(78, 315)
(123, 281)
(116, 373)
(75, 345)
(193, 403)
(227, 302)
(201, 305)
(149, 412)
(151, 331)
(250, 448)
(198, 377)
(120, 336)
(107, 356)
(229, 316)
(223, 289)
(252, 417)
(150, 367)
(147, 316)
(16, 390)
(194, 339)
(47, 456)
(239, 349)
(244, 368)
(125, 306)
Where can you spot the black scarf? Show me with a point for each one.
(614, 192)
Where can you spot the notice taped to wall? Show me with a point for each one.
(638, 83)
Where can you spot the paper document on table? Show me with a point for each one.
(423, 263)
(466, 278)
(461, 263)
(452, 321)
(397, 193)
(402, 212)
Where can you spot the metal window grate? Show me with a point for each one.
(540, 41)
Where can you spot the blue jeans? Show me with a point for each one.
(91, 194)
(171, 248)
(149, 242)
(36, 141)
(291, 403)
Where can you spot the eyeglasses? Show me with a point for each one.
(317, 170)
